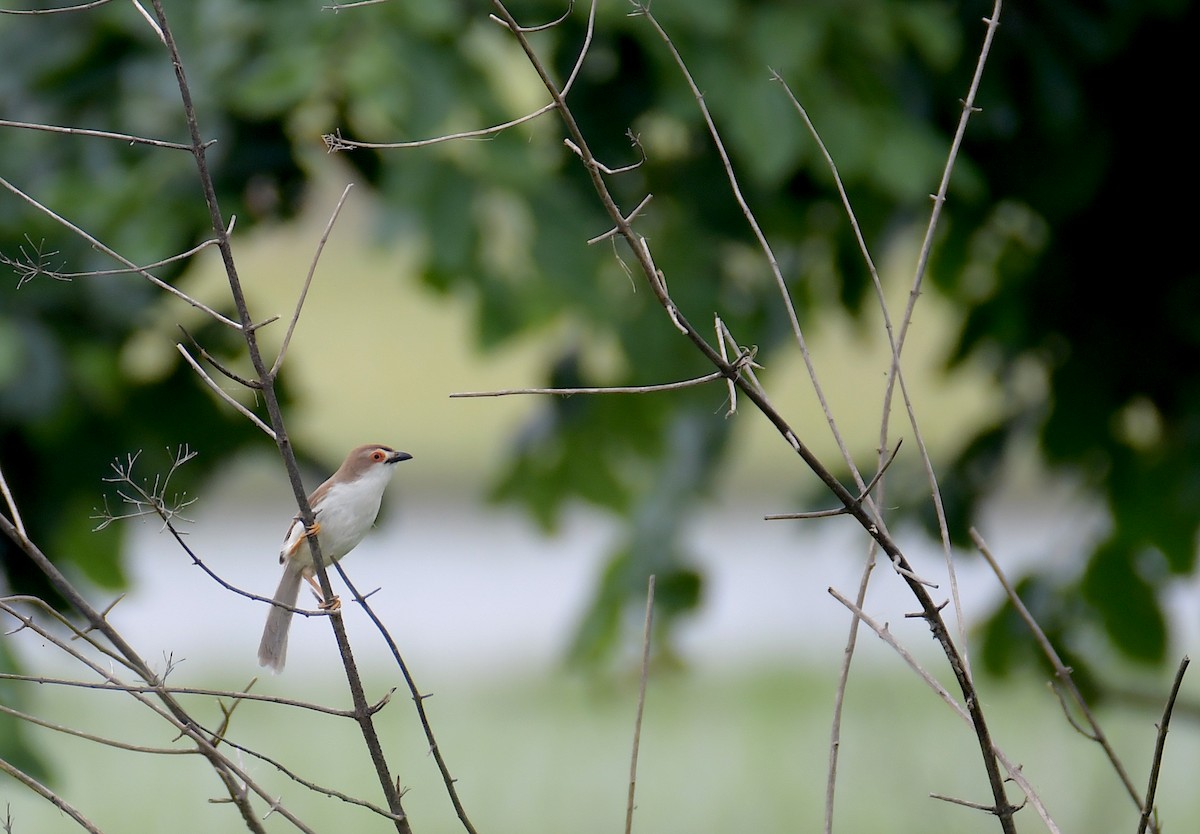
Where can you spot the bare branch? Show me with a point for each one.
(49, 795)
(641, 704)
(613, 232)
(220, 392)
(842, 510)
(12, 507)
(100, 134)
(1014, 771)
(1061, 671)
(308, 280)
(543, 27)
(158, 282)
(337, 7)
(334, 141)
(417, 697)
(1160, 743)
(604, 169)
(62, 10)
(253, 384)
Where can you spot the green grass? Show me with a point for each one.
(742, 753)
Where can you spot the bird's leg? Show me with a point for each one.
(333, 604)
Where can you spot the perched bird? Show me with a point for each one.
(345, 507)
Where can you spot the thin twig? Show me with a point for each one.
(1161, 743)
(223, 394)
(363, 716)
(544, 26)
(1061, 671)
(641, 704)
(417, 697)
(842, 510)
(62, 10)
(337, 7)
(870, 523)
(49, 795)
(334, 141)
(613, 232)
(1014, 771)
(12, 507)
(158, 282)
(615, 389)
(312, 268)
(100, 134)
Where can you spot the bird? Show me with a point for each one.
(344, 509)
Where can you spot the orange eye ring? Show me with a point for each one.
(378, 455)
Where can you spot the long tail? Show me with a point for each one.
(272, 650)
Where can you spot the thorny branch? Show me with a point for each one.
(867, 519)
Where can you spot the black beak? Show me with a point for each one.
(396, 457)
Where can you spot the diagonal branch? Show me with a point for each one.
(153, 279)
(869, 522)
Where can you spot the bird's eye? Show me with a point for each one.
(378, 455)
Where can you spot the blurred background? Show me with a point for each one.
(1057, 392)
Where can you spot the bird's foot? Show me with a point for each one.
(332, 604)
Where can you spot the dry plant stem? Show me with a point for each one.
(896, 374)
(869, 522)
(334, 142)
(77, 8)
(616, 389)
(1160, 744)
(641, 704)
(45, 792)
(1061, 671)
(153, 279)
(12, 507)
(337, 210)
(218, 736)
(643, 9)
(362, 711)
(191, 729)
(220, 392)
(1014, 770)
(100, 134)
(230, 775)
(417, 697)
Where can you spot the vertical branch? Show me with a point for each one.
(930, 610)
(362, 709)
(1160, 744)
(641, 704)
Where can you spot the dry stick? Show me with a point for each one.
(896, 374)
(643, 9)
(615, 389)
(641, 704)
(192, 728)
(218, 735)
(1061, 671)
(100, 134)
(12, 507)
(334, 141)
(79, 8)
(153, 279)
(235, 780)
(417, 697)
(45, 792)
(869, 523)
(361, 707)
(223, 394)
(312, 268)
(1160, 743)
(1014, 770)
